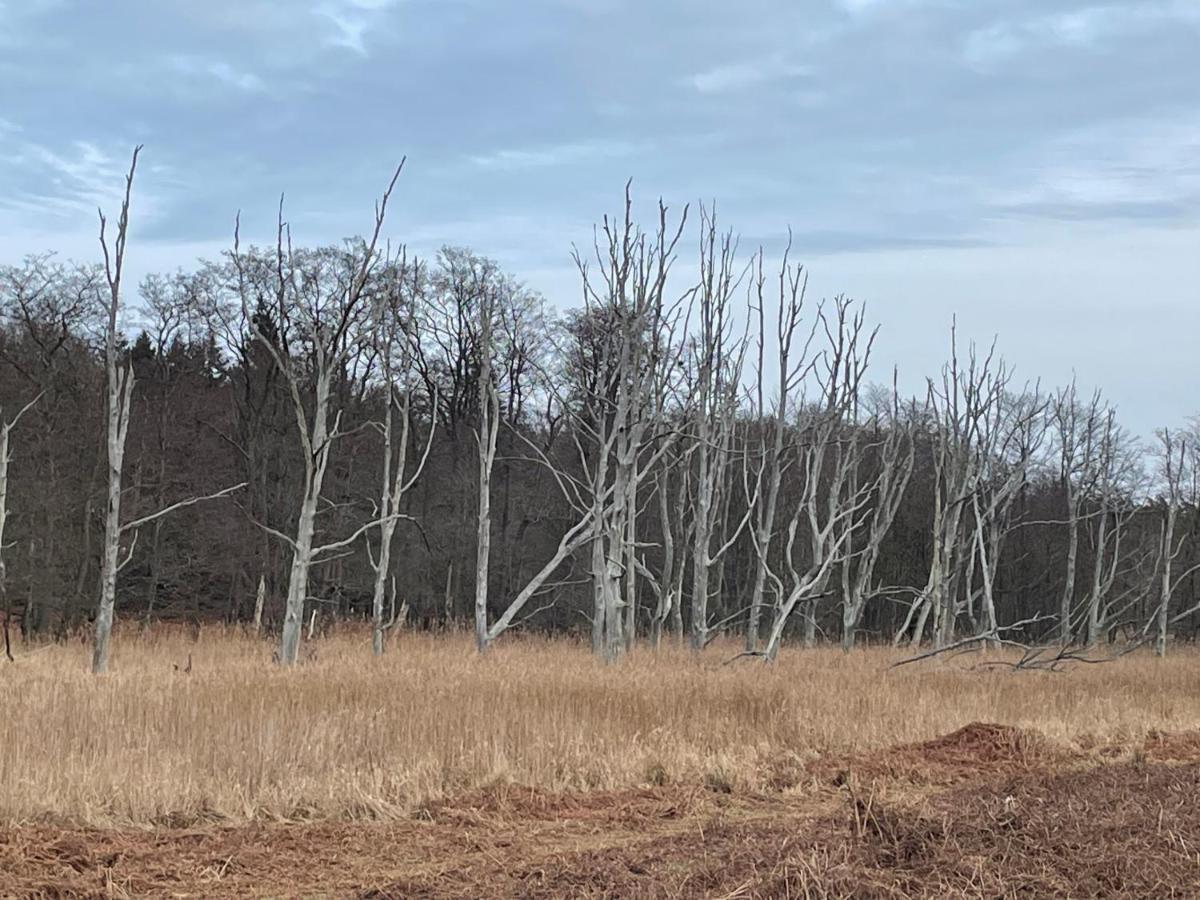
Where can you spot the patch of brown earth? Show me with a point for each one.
(987, 811)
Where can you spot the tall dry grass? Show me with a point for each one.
(346, 735)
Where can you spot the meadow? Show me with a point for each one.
(198, 726)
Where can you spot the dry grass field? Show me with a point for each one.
(197, 768)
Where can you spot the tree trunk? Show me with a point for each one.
(120, 392)
(259, 598)
(1067, 601)
(302, 556)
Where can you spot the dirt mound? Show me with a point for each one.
(975, 750)
(983, 743)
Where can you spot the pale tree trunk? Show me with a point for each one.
(1174, 454)
(662, 588)
(6, 428)
(260, 597)
(572, 540)
(631, 580)
(119, 396)
(489, 428)
(302, 556)
(1076, 430)
(668, 587)
(976, 426)
(302, 548)
(585, 531)
(120, 393)
(1095, 596)
(1067, 600)
(1164, 601)
(987, 561)
(597, 555)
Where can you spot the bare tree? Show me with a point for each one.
(793, 365)
(6, 427)
(120, 396)
(1179, 474)
(621, 423)
(828, 448)
(972, 427)
(1117, 482)
(673, 503)
(894, 452)
(486, 435)
(394, 343)
(120, 393)
(325, 303)
(716, 388)
(1077, 430)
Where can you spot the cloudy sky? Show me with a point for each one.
(1032, 166)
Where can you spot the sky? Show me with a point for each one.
(1031, 167)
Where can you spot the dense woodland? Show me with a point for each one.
(696, 449)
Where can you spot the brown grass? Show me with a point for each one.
(347, 736)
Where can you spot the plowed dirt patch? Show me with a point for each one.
(985, 812)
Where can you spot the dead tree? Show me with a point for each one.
(667, 585)
(793, 364)
(119, 383)
(503, 342)
(719, 353)
(622, 425)
(1077, 430)
(1006, 449)
(828, 445)
(969, 429)
(1179, 474)
(1117, 480)
(486, 435)
(394, 344)
(119, 393)
(325, 304)
(6, 428)
(894, 452)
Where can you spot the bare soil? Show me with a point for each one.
(988, 811)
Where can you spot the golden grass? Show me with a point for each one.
(347, 735)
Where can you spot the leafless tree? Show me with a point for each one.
(828, 450)
(793, 365)
(1077, 431)
(984, 441)
(486, 435)
(393, 338)
(623, 426)
(719, 352)
(1181, 484)
(672, 482)
(120, 393)
(325, 301)
(893, 448)
(120, 379)
(1114, 551)
(6, 427)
